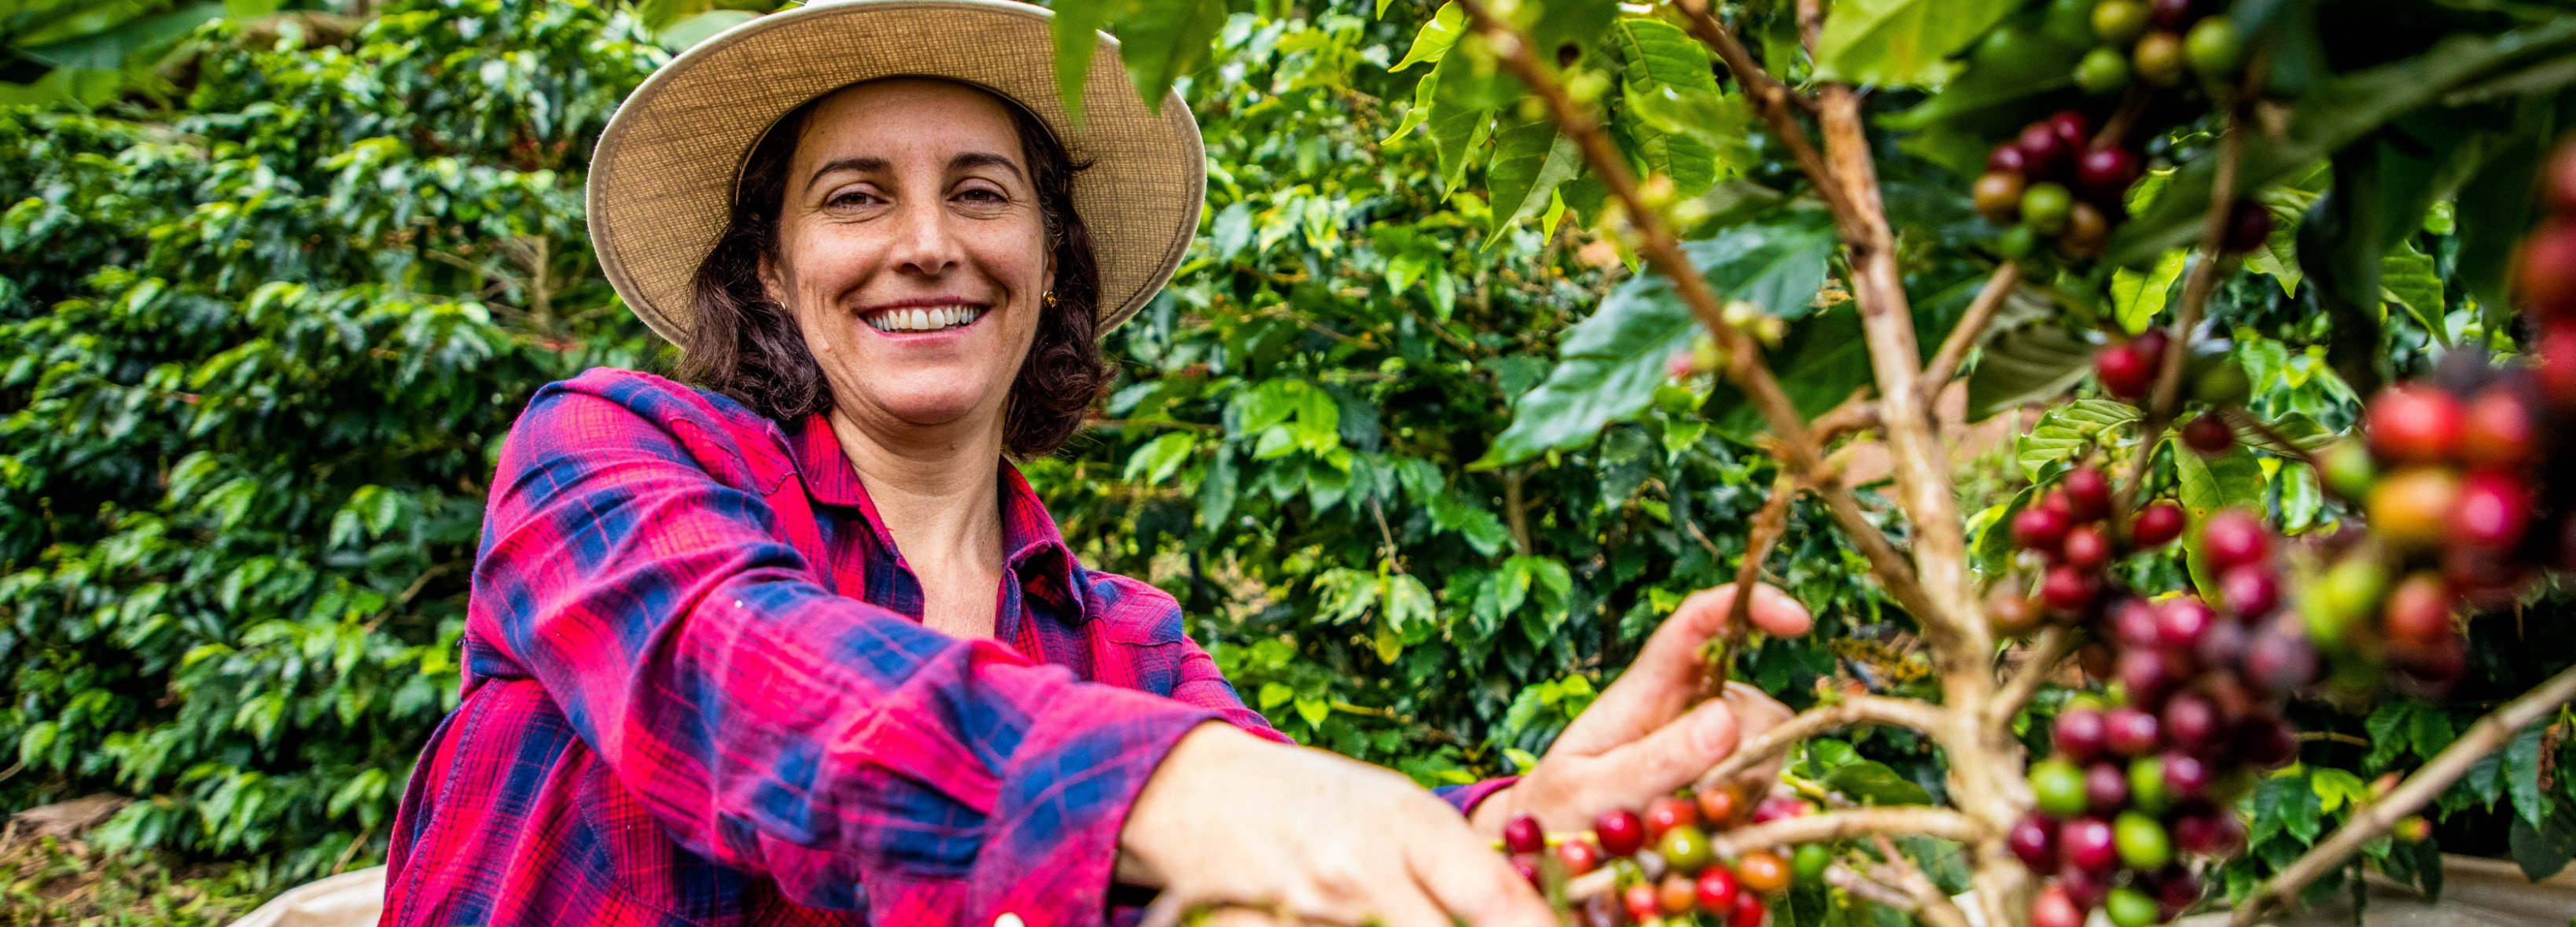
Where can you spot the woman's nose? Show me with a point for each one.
(924, 242)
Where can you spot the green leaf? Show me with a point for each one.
(1159, 457)
(1901, 42)
(2066, 430)
(1671, 111)
(1611, 363)
(2033, 363)
(1437, 35)
(2497, 204)
(2330, 117)
(2544, 849)
(2522, 763)
(2136, 297)
(2206, 486)
(1458, 116)
(1530, 159)
(2387, 742)
(1076, 27)
(2409, 278)
(1162, 41)
(2336, 788)
(1874, 783)
(112, 49)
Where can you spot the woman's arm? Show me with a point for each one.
(857, 758)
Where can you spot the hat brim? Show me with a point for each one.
(662, 180)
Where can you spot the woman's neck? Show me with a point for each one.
(936, 490)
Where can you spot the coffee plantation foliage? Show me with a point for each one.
(264, 330)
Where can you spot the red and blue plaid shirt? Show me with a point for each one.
(697, 691)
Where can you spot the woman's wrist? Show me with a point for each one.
(1489, 816)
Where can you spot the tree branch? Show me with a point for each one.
(2195, 295)
(1767, 526)
(1772, 100)
(1853, 881)
(1853, 709)
(2045, 653)
(2488, 735)
(1837, 825)
(1971, 328)
(1745, 368)
(1933, 906)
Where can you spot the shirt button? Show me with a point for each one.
(1007, 919)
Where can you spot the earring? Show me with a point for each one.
(1050, 297)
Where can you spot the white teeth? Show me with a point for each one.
(923, 320)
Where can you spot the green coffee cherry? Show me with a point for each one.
(2129, 907)
(2119, 22)
(2214, 49)
(2147, 785)
(2103, 71)
(2059, 786)
(2045, 205)
(2142, 841)
(2348, 469)
(2223, 384)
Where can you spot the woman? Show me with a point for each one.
(802, 647)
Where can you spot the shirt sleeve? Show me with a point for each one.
(858, 759)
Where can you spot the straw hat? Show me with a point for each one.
(662, 180)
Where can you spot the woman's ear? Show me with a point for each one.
(773, 285)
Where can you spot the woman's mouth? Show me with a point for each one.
(924, 318)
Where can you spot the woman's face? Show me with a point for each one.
(911, 252)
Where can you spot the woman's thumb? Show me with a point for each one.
(1677, 753)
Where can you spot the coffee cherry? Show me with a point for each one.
(2413, 507)
(2223, 384)
(2087, 229)
(2106, 173)
(2347, 468)
(1579, 856)
(2266, 742)
(1602, 910)
(2045, 206)
(2187, 777)
(1522, 834)
(1763, 871)
(1809, 862)
(1643, 902)
(2106, 787)
(2251, 591)
(2043, 153)
(2176, 890)
(2069, 22)
(2102, 71)
(2086, 845)
(2215, 50)
(2412, 829)
(2017, 242)
(1998, 196)
(2347, 594)
(2234, 538)
(2150, 675)
(2208, 436)
(2436, 666)
(1685, 848)
(2098, 660)
(1716, 889)
(2142, 841)
(1620, 831)
(2124, 373)
(2411, 423)
(2053, 909)
(2181, 623)
(2157, 58)
(2280, 661)
(2033, 839)
(2128, 907)
(2150, 345)
(2120, 22)
(2068, 589)
(1781, 809)
(2085, 887)
(2135, 624)
(2080, 733)
(2014, 615)
(1527, 865)
(1667, 812)
(2146, 777)
(2130, 731)
(1721, 805)
(2040, 528)
(2087, 547)
(2072, 127)
(2419, 611)
(1748, 911)
(2545, 271)
(2497, 432)
(2156, 525)
(2007, 158)
(2223, 648)
(2059, 787)
(1677, 894)
(2492, 511)
(2192, 723)
(2169, 14)
(2088, 493)
(2555, 369)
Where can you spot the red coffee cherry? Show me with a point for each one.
(2072, 128)
(2088, 493)
(2040, 528)
(2007, 157)
(2419, 611)
(1717, 889)
(2234, 538)
(1579, 856)
(2208, 436)
(2068, 589)
(2042, 151)
(2084, 844)
(2033, 839)
(2106, 788)
(2087, 547)
(2124, 371)
(2414, 423)
(2545, 271)
(2080, 734)
(2492, 511)
(1667, 812)
(2181, 623)
(2157, 524)
(2251, 591)
(1620, 831)
(2249, 226)
(1748, 911)
(2129, 731)
(1522, 834)
(2498, 432)
(2105, 174)
(2053, 909)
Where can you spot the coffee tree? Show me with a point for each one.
(1761, 167)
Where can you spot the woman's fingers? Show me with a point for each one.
(1471, 882)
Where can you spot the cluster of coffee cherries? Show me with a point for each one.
(2144, 777)
(2155, 41)
(2069, 528)
(1665, 866)
(2128, 371)
(2052, 182)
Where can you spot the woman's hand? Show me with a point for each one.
(1229, 817)
(1643, 737)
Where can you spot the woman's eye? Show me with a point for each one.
(849, 198)
(980, 194)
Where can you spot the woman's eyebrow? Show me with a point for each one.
(863, 165)
(963, 160)
(969, 159)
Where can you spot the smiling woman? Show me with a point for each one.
(799, 645)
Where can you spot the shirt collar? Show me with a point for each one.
(1033, 546)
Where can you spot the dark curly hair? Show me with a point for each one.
(747, 347)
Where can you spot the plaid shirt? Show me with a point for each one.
(697, 691)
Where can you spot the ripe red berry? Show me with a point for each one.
(2034, 840)
(2068, 589)
(1667, 812)
(2208, 436)
(2192, 722)
(2280, 661)
(2181, 623)
(2252, 590)
(2222, 648)
(2545, 271)
(2042, 150)
(2234, 538)
(2176, 891)
(2040, 528)
(1620, 831)
(2134, 624)
(2209, 832)
(2106, 787)
(2124, 371)
(2131, 732)
(2170, 14)
(2086, 889)
(2555, 366)
(2084, 844)
(2187, 777)
(2088, 493)
(2072, 128)
(1522, 834)
(1579, 856)
(1717, 889)
(2498, 433)
(2492, 511)
(2419, 611)
(2249, 226)
(2014, 615)
(2007, 157)
(2080, 734)
(2150, 675)
(2087, 547)
(2150, 345)
(1748, 911)
(1642, 901)
(2413, 423)
(2105, 174)
(2156, 524)
(2053, 909)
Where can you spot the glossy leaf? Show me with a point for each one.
(1901, 42)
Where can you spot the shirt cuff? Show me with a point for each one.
(1466, 797)
(1051, 844)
